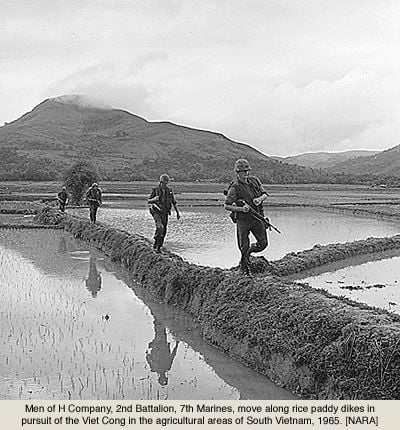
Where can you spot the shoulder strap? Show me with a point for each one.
(244, 194)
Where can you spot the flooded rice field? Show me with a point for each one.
(207, 236)
(376, 283)
(74, 326)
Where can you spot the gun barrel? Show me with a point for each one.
(262, 219)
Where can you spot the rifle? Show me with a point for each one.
(154, 207)
(93, 200)
(257, 215)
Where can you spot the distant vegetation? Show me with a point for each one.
(14, 167)
(45, 142)
(78, 178)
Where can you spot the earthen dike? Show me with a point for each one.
(315, 344)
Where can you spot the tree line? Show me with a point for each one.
(185, 168)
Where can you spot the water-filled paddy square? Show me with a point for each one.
(75, 326)
(204, 236)
(376, 283)
(207, 236)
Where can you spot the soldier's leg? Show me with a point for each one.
(159, 231)
(242, 231)
(164, 220)
(91, 212)
(260, 234)
(95, 207)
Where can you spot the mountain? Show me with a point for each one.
(325, 159)
(122, 145)
(383, 164)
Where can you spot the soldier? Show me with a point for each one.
(159, 354)
(244, 194)
(160, 201)
(93, 197)
(62, 198)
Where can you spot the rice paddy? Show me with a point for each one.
(72, 328)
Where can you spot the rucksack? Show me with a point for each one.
(232, 215)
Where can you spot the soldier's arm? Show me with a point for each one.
(231, 202)
(174, 204)
(264, 195)
(153, 197)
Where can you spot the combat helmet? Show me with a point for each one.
(164, 178)
(242, 164)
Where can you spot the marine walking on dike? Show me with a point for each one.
(244, 199)
(93, 198)
(62, 198)
(160, 201)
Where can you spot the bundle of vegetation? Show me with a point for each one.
(78, 178)
(48, 216)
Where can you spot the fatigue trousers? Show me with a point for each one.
(93, 211)
(62, 206)
(243, 229)
(161, 220)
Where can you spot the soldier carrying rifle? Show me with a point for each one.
(160, 202)
(62, 198)
(93, 198)
(244, 199)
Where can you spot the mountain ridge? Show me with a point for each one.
(44, 142)
(325, 159)
(122, 143)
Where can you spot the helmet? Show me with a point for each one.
(95, 184)
(242, 164)
(164, 178)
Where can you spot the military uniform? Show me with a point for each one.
(160, 212)
(244, 192)
(62, 200)
(93, 197)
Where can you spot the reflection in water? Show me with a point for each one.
(65, 349)
(180, 325)
(159, 355)
(62, 245)
(93, 281)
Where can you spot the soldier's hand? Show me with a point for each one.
(257, 200)
(246, 208)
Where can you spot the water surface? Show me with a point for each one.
(207, 236)
(376, 283)
(74, 326)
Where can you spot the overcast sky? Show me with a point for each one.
(285, 76)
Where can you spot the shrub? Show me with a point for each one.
(78, 178)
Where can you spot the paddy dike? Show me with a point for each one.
(317, 345)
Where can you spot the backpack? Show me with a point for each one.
(232, 215)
